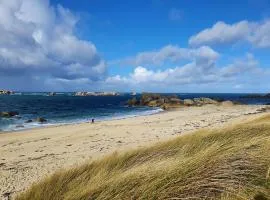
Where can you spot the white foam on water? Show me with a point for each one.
(20, 125)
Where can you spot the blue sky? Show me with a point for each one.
(151, 45)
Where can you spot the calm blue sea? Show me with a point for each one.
(66, 109)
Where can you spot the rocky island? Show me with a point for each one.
(96, 94)
(172, 101)
(6, 92)
(51, 93)
(8, 114)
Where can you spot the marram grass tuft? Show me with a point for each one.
(232, 163)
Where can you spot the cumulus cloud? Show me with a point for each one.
(241, 71)
(255, 33)
(169, 53)
(38, 39)
(39, 50)
(241, 66)
(201, 69)
(188, 74)
(260, 36)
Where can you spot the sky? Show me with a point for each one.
(184, 46)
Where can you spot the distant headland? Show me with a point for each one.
(83, 93)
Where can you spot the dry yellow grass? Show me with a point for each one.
(233, 163)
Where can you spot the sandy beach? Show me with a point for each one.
(27, 156)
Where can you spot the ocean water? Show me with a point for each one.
(64, 108)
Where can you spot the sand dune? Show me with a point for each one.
(28, 156)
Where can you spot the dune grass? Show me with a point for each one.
(232, 163)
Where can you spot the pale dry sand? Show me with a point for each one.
(28, 156)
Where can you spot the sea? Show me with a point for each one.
(65, 108)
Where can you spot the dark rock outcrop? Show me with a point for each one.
(166, 101)
(204, 101)
(133, 102)
(6, 92)
(52, 94)
(8, 114)
(189, 102)
(28, 121)
(41, 120)
(156, 100)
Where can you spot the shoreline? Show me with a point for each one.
(42, 126)
(30, 155)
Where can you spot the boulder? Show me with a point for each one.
(162, 101)
(209, 101)
(164, 107)
(8, 114)
(189, 102)
(153, 103)
(147, 97)
(133, 102)
(28, 121)
(41, 119)
(176, 101)
(204, 101)
(227, 103)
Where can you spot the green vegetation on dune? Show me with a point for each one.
(232, 163)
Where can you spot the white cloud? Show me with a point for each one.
(256, 33)
(39, 50)
(241, 66)
(38, 38)
(243, 71)
(191, 77)
(260, 37)
(169, 53)
(201, 69)
(221, 33)
(141, 75)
